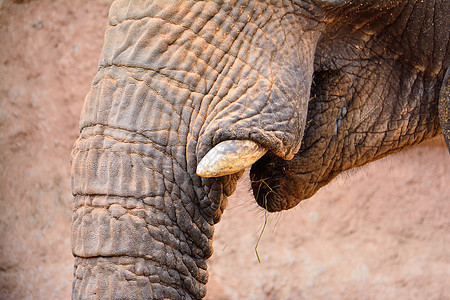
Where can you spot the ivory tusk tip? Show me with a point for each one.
(229, 157)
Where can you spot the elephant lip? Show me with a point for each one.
(229, 157)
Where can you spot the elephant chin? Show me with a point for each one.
(272, 179)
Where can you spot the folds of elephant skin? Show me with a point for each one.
(142, 225)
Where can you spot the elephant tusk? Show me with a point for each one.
(229, 157)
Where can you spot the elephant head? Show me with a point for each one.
(316, 86)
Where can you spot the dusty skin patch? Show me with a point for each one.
(380, 233)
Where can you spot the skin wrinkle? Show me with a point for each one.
(146, 257)
(212, 108)
(286, 34)
(198, 57)
(174, 107)
(133, 197)
(135, 143)
(237, 38)
(130, 265)
(216, 45)
(121, 151)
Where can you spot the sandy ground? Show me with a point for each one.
(381, 232)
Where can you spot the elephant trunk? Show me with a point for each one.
(143, 221)
(137, 233)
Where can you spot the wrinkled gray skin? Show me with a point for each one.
(325, 86)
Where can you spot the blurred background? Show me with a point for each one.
(380, 232)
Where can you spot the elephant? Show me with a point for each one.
(190, 93)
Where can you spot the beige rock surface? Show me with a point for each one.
(382, 232)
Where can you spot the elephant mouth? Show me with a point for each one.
(229, 157)
(233, 156)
